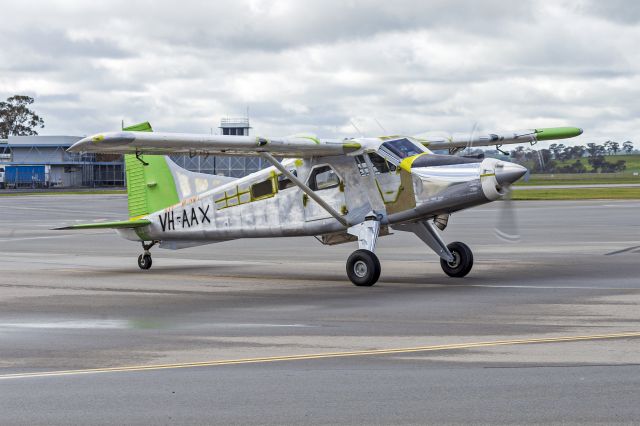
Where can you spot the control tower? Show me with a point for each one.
(234, 126)
(234, 166)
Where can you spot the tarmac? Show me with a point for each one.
(545, 329)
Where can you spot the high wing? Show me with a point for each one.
(133, 142)
(525, 136)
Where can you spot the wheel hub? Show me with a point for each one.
(456, 260)
(360, 269)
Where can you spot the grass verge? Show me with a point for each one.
(578, 194)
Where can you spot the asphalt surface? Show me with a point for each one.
(543, 330)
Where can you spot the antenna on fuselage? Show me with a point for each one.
(380, 125)
(356, 127)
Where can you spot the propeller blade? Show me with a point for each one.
(507, 227)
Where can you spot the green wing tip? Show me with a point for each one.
(551, 133)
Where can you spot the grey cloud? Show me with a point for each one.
(315, 66)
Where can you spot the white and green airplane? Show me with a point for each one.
(338, 191)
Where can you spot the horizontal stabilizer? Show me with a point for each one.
(121, 224)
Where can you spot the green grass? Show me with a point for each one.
(579, 179)
(578, 194)
(97, 192)
(632, 162)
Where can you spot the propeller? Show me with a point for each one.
(506, 228)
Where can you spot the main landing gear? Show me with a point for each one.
(144, 260)
(363, 266)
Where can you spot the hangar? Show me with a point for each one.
(43, 162)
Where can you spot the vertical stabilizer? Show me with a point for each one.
(150, 187)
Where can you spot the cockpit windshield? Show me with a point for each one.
(400, 148)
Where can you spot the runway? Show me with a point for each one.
(543, 330)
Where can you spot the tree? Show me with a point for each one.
(595, 150)
(578, 167)
(17, 119)
(615, 147)
(627, 147)
(607, 146)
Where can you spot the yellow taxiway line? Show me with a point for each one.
(371, 352)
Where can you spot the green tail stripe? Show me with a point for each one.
(150, 188)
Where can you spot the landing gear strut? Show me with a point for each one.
(144, 260)
(363, 266)
(456, 259)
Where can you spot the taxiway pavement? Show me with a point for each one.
(546, 329)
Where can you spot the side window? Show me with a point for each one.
(262, 189)
(323, 178)
(284, 182)
(380, 165)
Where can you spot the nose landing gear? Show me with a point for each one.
(144, 260)
(456, 259)
(462, 260)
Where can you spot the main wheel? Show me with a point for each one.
(144, 261)
(462, 260)
(363, 268)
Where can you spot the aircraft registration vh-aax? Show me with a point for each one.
(338, 191)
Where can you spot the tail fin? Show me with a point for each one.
(154, 182)
(150, 185)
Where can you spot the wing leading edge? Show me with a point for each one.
(127, 142)
(525, 136)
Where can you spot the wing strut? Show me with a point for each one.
(315, 197)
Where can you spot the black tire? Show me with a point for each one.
(144, 261)
(463, 262)
(363, 268)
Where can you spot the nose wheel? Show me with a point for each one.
(462, 260)
(144, 260)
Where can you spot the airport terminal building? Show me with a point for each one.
(43, 162)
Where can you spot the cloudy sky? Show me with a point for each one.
(316, 66)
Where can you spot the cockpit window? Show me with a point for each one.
(380, 165)
(400, 148)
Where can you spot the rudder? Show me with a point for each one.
(150, 187)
